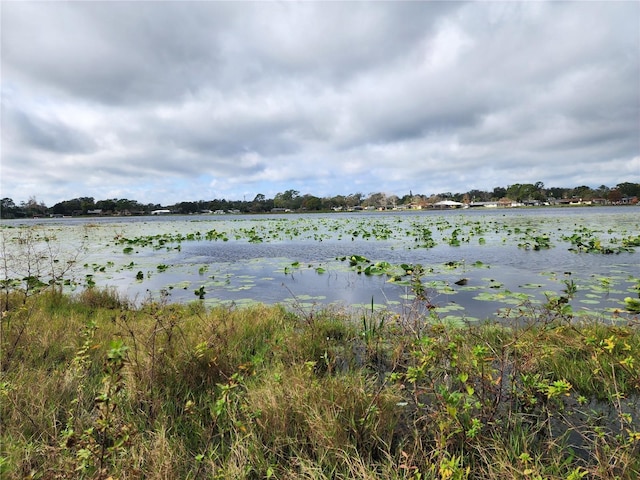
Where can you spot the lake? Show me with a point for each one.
(476, 263)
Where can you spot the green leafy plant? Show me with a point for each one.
(200, 292)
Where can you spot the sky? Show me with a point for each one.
(163, 102)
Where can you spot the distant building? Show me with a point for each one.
(447, 204)
(483, 204)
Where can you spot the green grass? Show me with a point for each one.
(92, 387)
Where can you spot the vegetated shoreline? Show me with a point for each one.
(93, 387)
(288, 212)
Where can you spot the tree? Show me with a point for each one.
(513, 192)
(393, 200)
(67, 207)
(260, 204)
(309, 202)
(288, 199)
(615, 196)
(521, 192)
(479, 196)
(107, 205)
(187, 207)
(433, 199)
(8, 208)
(378, 199)
(86, 203)
(557, 192)
(539, 193)
(33, 208)
(257, 207)
(499, 192)
(584, 192)
(75, 206)
(354, 199)
(629, 189)
(406, 199)
(124, 205)
(337, 201)
(602, 191)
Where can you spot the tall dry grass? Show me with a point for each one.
(92, 387)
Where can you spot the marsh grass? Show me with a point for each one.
(98, 388)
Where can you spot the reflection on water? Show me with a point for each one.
(535, 274)
(479, 263)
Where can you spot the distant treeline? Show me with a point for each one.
(293, 200)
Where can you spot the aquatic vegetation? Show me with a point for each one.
(585, 242)
(632, 304)
(631, 241)
(366, 254)
(535, 242)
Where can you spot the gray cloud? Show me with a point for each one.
(147, 100)
(48, 134)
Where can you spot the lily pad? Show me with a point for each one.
(450, 307)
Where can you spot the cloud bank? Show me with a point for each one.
(169, 101)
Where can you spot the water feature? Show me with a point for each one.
(476, 262)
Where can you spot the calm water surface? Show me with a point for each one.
(300, 259)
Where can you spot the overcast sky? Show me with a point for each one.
(169, 101)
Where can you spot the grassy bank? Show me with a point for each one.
(91, 387)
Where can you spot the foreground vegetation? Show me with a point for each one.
(92, 387)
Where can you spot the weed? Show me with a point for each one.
(104, 388)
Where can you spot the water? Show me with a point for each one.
(300, 259)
